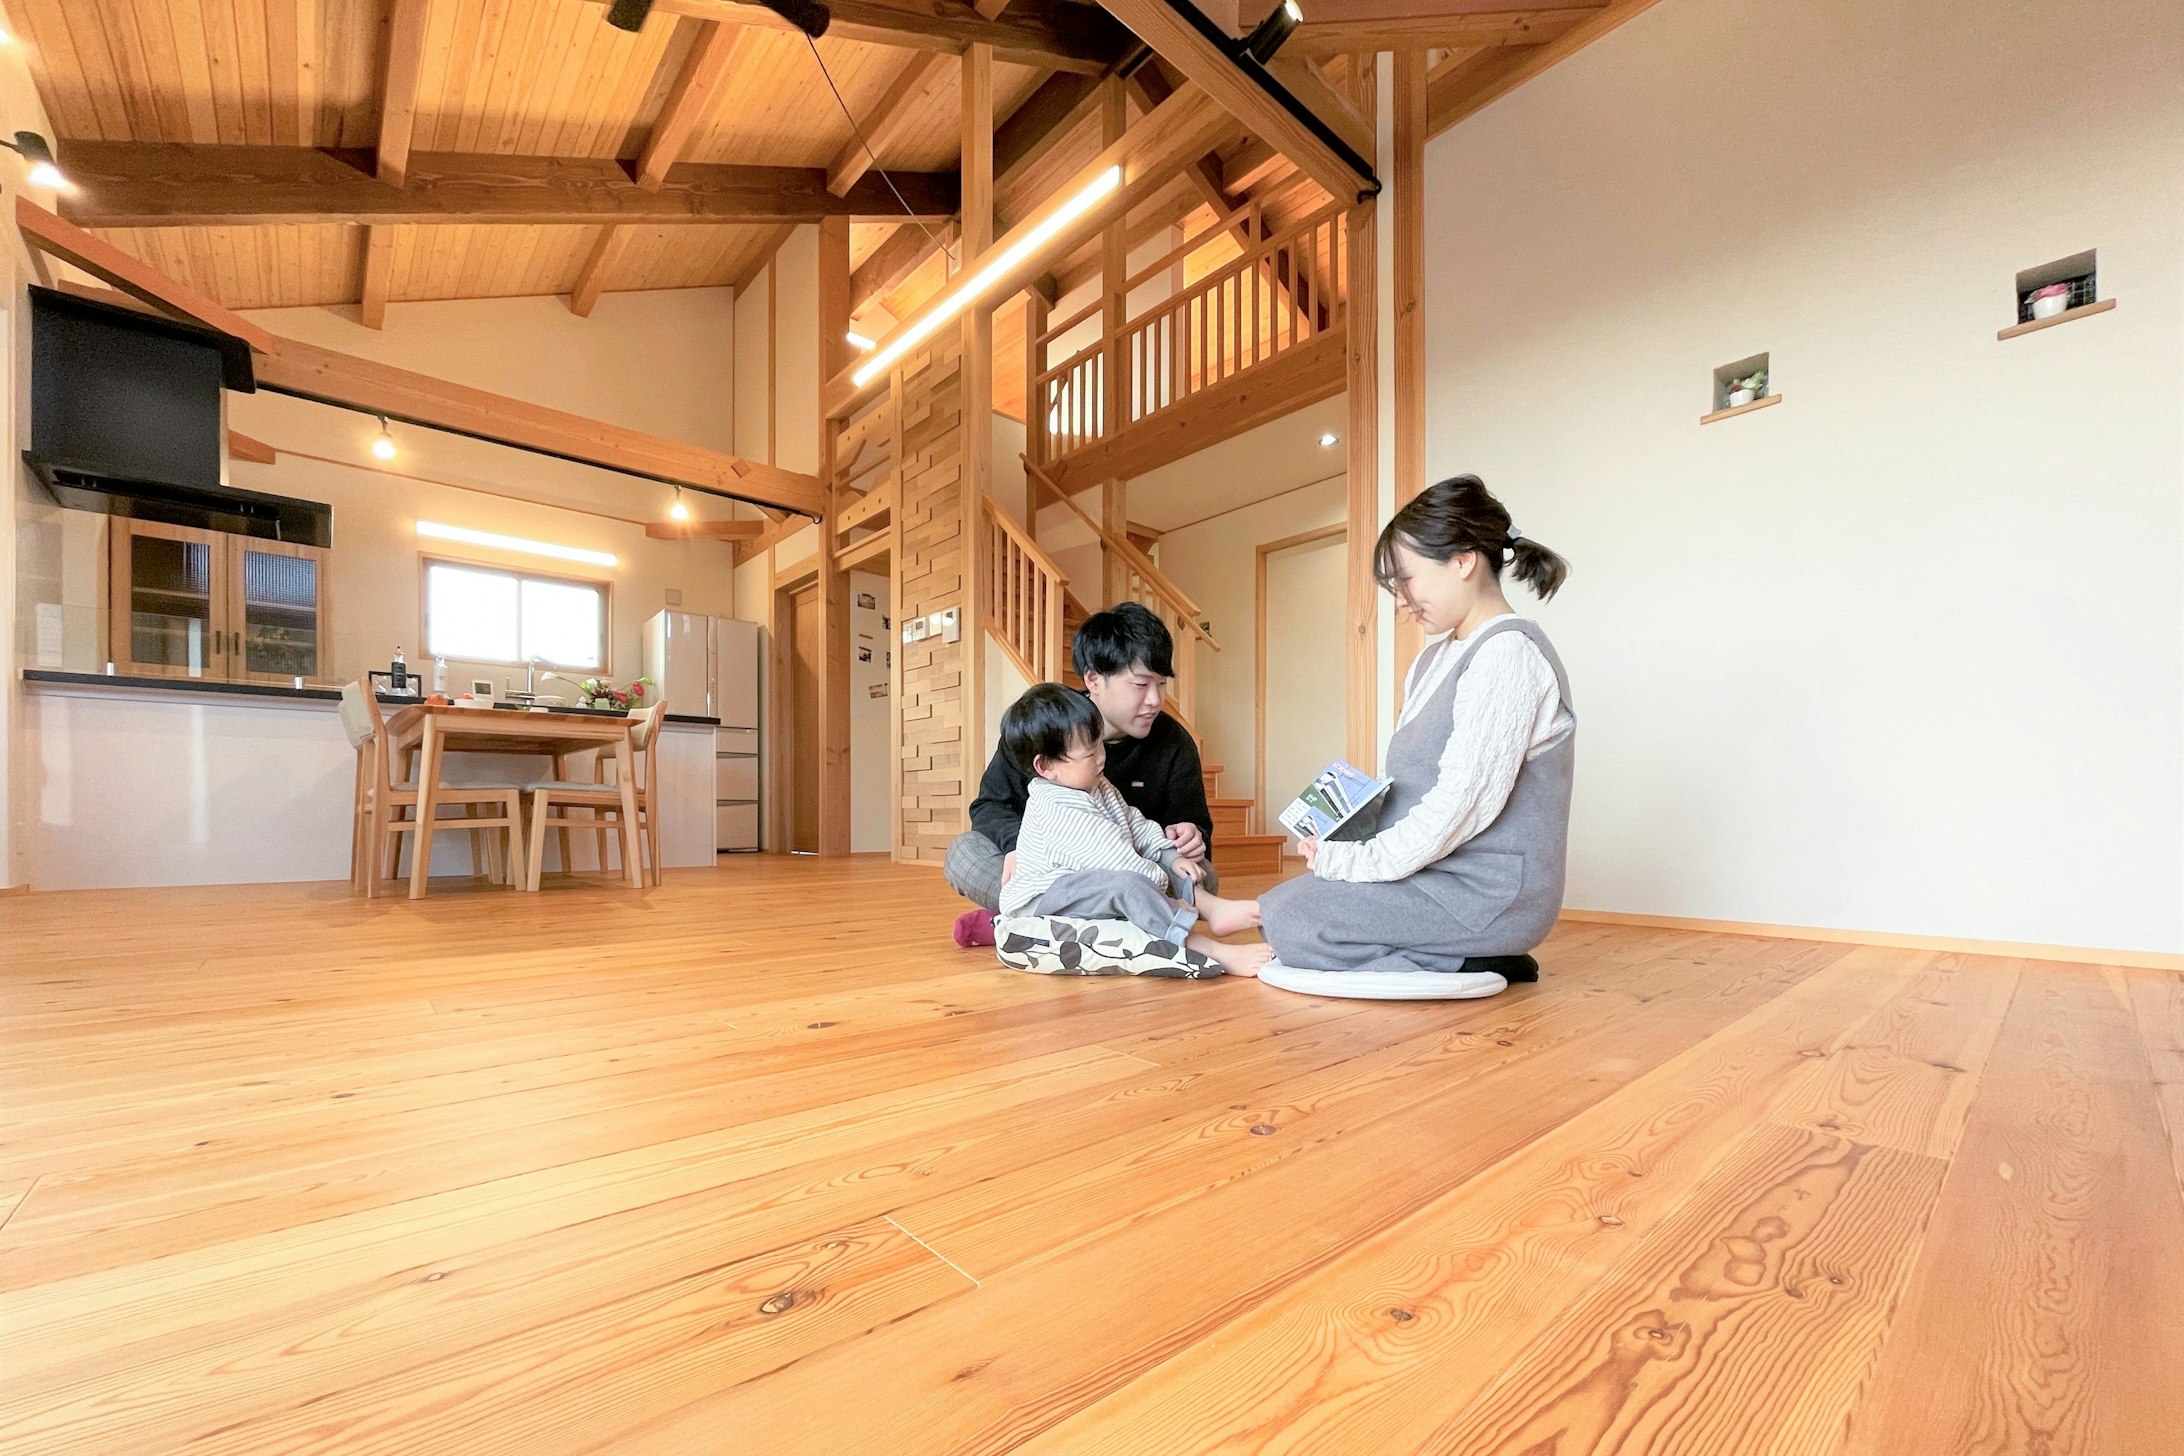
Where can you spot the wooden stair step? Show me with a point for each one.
(1249, 854)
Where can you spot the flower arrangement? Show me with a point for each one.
(1743, 391)
(597, 692)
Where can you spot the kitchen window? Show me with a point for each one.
(483, 614)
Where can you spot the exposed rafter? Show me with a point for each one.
(58, 238)
(607, 250)
(1185, 46)
(1150, 88)
(378, 276)
(887, 121)
(689, 101)
(1455, 92)
(1054, 35)
(133, 184)
(398, 97)
(1346, 27)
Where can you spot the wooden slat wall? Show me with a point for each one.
(935, 781)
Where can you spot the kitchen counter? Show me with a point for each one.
(183, 781)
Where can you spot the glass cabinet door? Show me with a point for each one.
(279, 611)
(167, 618)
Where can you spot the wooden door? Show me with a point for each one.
(804, 720)
(167, 608)
(277, 611)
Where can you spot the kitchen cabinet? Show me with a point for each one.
(188, 602)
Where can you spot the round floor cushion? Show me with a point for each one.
(1060, 945)
(1384, 985)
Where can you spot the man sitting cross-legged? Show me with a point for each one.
(1126, 658)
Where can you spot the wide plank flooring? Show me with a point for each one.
(759, 1162)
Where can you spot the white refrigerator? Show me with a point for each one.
(709, 666)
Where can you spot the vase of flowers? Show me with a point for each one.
(598, 693)
(1743, 391)
(2050, 301)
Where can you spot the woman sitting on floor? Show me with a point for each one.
(1465, 875)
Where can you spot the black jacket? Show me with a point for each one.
(1159, 776)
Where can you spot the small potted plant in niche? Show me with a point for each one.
(1743, 391)
(2050, 301)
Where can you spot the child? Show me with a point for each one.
(1082, 851)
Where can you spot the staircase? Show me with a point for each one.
(1236, 850)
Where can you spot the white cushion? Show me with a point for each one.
(1384, 985)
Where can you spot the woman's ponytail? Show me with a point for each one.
(1460, 514)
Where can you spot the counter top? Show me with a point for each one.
(248, 690)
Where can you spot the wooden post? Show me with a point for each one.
(834, 620)
(1114, 370)
(1409, 218)
(1035, 324)
(977, 446)
(1361, 314)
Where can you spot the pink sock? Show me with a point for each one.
(974, 928)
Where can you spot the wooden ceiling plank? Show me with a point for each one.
(173, 185)
(398, 97)
(1460, 90)
(1054, 35)
(1185, 47)
(58, 238)
(697, 85)
(886, 123)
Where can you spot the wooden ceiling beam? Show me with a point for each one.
(58, 238)
(331, 377)
(1455, 92)
(168, 184)
(1150, 88)
(892, 261)
(689, 101)
(1149, 154)
(886, 123)
(244, 447)
(1054, 35)
(1304, 82)
(398, 96)
(1254, 166)
(1363, 26)
(1187, 47)
(378, 276)
(607, 250)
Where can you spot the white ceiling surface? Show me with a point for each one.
(1254, 466)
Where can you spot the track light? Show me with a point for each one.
(383, 442)
(44, 171)
(806, 15)
(678, 511)
(1268, 36)
(629, 14)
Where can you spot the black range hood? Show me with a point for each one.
(125, 420)
(209, 507)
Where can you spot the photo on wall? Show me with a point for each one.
(867, 602)
(864, 654)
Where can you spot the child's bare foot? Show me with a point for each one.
(1226, 917)
(1237, 960)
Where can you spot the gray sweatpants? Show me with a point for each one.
(1121, 895)
(973, 870)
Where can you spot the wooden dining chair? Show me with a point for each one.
(601, 803)
(382, 793)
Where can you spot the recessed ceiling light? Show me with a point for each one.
(1328, 438)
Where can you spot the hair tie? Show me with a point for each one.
(1515, 534)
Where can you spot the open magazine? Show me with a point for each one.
(1333, 805)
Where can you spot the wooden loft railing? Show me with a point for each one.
(1149, 587)
(1024, 592)
(864, 491)
(1282, 294)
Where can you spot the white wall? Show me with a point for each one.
(871, 734)
(1216, 563)
(1902, 653)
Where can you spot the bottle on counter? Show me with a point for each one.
(398, 675)
(439, 674)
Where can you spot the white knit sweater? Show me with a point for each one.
(1508, 709)
(1066, 830)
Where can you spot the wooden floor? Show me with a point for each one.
(758, 1162)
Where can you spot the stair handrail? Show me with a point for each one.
(1168, 591)
(1039, 660)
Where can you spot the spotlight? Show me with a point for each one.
(44, 171)
(1327, 440)
(383, 442)
(806, 15)
(629, 14)
(1269, 34)
(678, 511)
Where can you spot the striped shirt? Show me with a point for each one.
(1066, 830)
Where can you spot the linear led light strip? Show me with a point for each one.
(984, 279)
(438, 532)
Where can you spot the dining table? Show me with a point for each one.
(434, 730)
